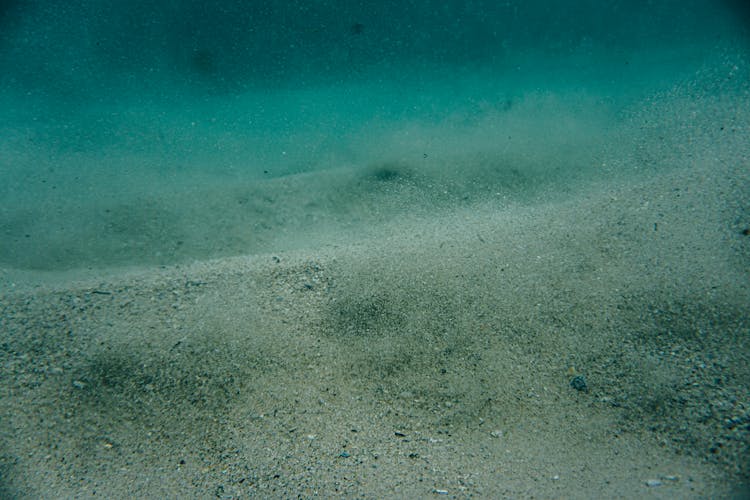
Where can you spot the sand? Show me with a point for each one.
(431, 357)
(532, 284)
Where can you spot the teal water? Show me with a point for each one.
(158, 132)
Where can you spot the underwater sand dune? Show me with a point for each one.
(510, 290)
(591, 345)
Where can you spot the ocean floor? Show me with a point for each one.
(587, 345)
(528, 292)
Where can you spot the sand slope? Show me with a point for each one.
(434, 356)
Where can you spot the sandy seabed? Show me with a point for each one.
(432, 358)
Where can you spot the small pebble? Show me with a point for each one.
(579, 383)
(653, 483)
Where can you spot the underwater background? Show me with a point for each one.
(289, 249)
(156, 132)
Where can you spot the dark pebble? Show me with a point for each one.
(579, 383)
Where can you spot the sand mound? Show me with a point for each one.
(436, 355)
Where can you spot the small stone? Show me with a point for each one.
(579, 383)
(653, 483)
(496, 433)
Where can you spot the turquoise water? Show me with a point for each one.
(157, 132)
